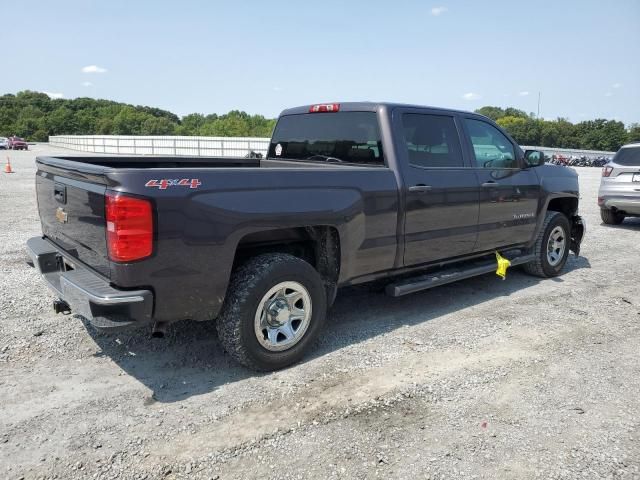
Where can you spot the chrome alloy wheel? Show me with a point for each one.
(556, 246)
(283, 316)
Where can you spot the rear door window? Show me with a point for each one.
(336, 137)
(431, 141)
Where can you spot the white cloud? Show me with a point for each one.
(87, 84)
(523, 94)
(436, 11)
(608, 94)
(471, 96)
(54, 95)
(278, 89)
(93, 69)
(616, 85)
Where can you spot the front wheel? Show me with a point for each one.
(552, 246)
(275, 307)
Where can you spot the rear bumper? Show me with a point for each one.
(630, 205)
(88, 294)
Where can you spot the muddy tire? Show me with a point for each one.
(274, 310)
(552, 247)
(610, 217)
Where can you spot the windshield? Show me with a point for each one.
(628, 157)
(337, 137)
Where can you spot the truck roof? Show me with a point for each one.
(368, 107)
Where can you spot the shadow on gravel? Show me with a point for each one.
(359, 314)
(630, 223)
(189, 360)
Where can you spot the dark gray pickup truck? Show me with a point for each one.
(347, 193)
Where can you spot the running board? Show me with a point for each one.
(449, 275)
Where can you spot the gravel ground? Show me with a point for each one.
(525, 378)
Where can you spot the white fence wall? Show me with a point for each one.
(163, 145)
(570, 152)
(212, 146)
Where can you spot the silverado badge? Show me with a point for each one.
(61, 215)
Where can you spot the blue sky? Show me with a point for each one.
(263, 56)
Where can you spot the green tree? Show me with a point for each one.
(191, 124)
(514, 112)
(494, 113)
(549, 134)
(61, 121)
(36, 116)
(128, 121)
(157, 126)
(567, 134)
(525, 131)
(633, 135)
(601, 134)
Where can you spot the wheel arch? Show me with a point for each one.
(319, 245)
(567, 204)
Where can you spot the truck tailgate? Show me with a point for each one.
(72, 213)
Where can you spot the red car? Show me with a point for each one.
(17, 143)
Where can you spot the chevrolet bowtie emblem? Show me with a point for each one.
(61, 215)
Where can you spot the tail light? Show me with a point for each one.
(324, 107)
(606, 171)
(129, 227)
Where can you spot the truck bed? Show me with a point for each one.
(207, 208)
(156, 161)
(162, 161)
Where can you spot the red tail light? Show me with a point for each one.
(324, 107)
(606, 171)
(129, 227)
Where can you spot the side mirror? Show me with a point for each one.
(534, 158)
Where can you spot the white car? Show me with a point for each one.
(619, 194)
(4, 143)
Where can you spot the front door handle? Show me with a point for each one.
(490, 184)
(421, 188)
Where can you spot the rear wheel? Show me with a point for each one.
(275, 307)
(552, 246)
(611, 217)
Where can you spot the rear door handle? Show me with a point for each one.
(420, 188)
(490, 184)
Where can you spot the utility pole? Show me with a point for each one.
(538, 116)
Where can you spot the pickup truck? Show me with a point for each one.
(347, 193)
(17, 143)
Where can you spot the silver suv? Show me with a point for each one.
(619, 194)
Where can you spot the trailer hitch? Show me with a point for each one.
(60, 306)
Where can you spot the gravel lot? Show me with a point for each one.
(525, 378)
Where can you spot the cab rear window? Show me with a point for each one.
(334, 137)
(628, 157)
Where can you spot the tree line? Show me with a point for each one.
(599, 134)
(35, 116)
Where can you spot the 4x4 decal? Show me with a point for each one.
(166, 183)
